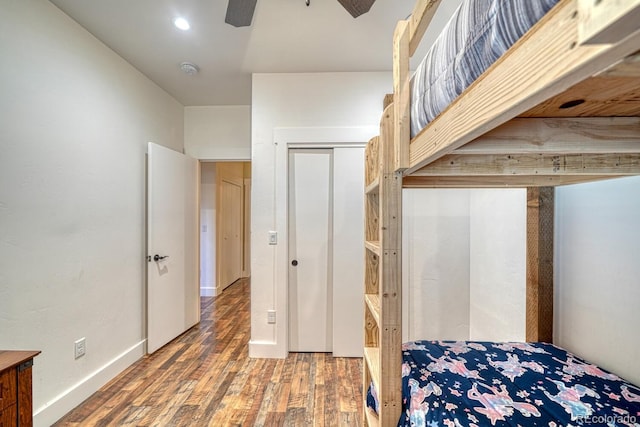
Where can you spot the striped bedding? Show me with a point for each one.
(479, 32)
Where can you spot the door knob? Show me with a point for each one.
(157, 257)
(294, 262)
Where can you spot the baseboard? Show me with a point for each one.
(266, 350)
(207, 291)
(55, 409)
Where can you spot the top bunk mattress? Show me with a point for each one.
(477, 34)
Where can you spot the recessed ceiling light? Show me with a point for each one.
(181, 23)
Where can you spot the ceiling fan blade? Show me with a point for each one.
(357, 7)
(240, 12)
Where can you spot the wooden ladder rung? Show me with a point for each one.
(373, 246)
(373, 187)
(373, 302)
(372, 357)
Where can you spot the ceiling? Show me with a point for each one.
(286, 36)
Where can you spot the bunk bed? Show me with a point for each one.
(559, 105)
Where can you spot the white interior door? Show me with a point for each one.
(172, 232)
(310, 228)
(231, 220)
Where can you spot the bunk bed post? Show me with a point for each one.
(383, 297)
(540, 218)
(390, 392)
(402, 95)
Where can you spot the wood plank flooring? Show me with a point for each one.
(205, 378)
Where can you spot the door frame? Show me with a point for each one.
(285, 138)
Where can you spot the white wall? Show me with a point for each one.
(323, 101)
(74, 123)
(498, 246)
(597, 266)
(208, 229)
(218, 132)
(435, 264)
(464, 272)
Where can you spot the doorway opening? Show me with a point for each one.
(225, 210)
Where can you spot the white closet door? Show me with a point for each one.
(348, 251)
(310, 269)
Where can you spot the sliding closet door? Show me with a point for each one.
(348, 251)
(310, 267)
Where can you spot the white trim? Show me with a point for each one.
(208, 291)
(56, 408)
(267, 350)
(326, 145)
(283, 139)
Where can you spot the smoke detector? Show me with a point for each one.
(189, 68)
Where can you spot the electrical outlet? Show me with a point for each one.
(273, 237)
(271, 316)
(80, 347)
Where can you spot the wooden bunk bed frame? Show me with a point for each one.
(571, 115)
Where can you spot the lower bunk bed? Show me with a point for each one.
(474, 383)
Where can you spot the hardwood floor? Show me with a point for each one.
(205, 378)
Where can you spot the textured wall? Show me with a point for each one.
(75, 120)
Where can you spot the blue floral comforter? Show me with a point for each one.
(450, 384)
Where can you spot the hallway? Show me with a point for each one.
(205, 378)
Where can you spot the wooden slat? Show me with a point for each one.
(373, 302)
(402, 96)
(602, 164)
(372, 356)
(366, 382)
(371, 417)
(502, 181)
(628, 67)
(371, 161)
(372, 225)
(608, 21)
(604, 95)
(371, 273)
(559, 136)
(371, 330)
(540, 209)
(373, 246)
(388, 100)
(554, 61)
(373, 187)
(390, 391)
(423, 13)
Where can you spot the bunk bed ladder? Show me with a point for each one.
(383, 297)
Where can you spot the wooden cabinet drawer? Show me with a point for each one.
(9, 416)
(8, 388)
